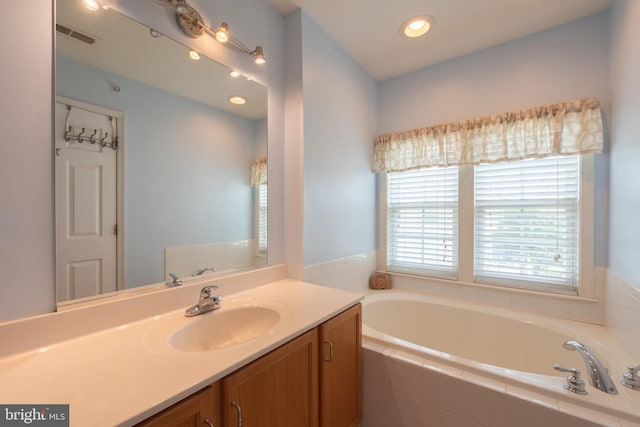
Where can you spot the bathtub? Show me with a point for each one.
(442, 362)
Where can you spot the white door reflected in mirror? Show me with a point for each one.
(85, 199)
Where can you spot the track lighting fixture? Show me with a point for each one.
(192, 24)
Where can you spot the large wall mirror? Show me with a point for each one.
(157, 171)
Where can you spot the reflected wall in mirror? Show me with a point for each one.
(157, 172)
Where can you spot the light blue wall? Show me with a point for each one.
(339, 127)
(187, 167)
(562, 63)
(625, 141)
(260, 145)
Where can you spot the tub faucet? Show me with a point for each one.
(207, 302)
(598, 374)
(630, 378)
(204, 270)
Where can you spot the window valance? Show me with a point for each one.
(259, 171)
(567, 128)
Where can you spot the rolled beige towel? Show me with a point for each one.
(379, 280)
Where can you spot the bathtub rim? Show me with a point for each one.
(546, 389)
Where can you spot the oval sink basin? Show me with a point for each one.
(222, 329)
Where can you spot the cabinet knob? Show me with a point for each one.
(208, 423)
(234, 404)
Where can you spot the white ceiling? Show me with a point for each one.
(462, 26)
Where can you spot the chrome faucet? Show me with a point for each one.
(598, 374)
(207, 302)
(630, 378)
(574, 383)
(204, 270)
(176, 281)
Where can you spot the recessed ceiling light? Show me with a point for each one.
(238, 100)
(194, 55)
(234, 73)
(417, 26)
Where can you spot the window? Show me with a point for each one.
(423, 222)
(526, 222)
(523, 223)
(262, 218)
(463, 203)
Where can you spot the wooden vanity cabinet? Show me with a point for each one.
(200, 409)
(314, 380)
(278, 390)
(341, 369)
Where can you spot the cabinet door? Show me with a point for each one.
(341, 369)
(278, 390)
(197, 410)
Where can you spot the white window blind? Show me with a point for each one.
(262, 217)
(422, 222)
(527, 223)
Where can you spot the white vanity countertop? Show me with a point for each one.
(122, 375)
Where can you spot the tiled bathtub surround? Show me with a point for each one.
(350, 274)
(185, 261)
(623, 313)
(403, 390)
(478, 370)
(566, 307)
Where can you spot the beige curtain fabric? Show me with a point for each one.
(573, 127)
(259, 171)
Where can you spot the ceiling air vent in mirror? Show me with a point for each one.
(75, 34)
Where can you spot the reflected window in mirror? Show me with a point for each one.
(259, 182)
(262, 219)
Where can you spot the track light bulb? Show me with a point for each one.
(222, 33)
(260, 59)
(180, 7)
(92, 4)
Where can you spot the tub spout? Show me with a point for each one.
(598, 374)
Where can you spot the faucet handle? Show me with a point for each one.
(574, 383)
(206, 291)
(630, 378)
(633, 370)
